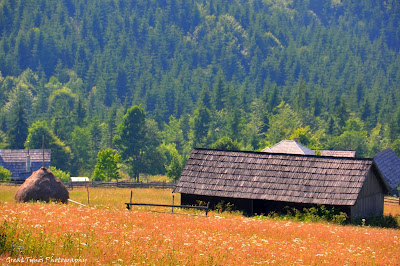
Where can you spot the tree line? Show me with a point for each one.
(222, 74)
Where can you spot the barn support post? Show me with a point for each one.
(208, 205)
(252, 207)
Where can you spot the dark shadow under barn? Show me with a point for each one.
(254, 207)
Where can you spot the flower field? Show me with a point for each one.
(105, 234)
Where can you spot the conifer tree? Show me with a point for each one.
(17, 126)
(219, 92)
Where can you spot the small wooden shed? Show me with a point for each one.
(259, 182)
(336, 153)
(294, 147)
(289, 147)
(21, 165)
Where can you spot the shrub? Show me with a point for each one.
(60, 174)
(222, 207)
(384, 221)
(5, 174)
(314, 214)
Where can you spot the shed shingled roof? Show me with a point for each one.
(389, 165)
(15, 161)
(15, 156)
(272, 176)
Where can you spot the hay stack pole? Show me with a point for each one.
(43, 165)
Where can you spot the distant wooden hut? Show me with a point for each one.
(289, 147)
(338, 153)
(259, 182)
(20, 166)
(294, 147)
(389, 166)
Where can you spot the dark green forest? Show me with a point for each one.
(232, 74)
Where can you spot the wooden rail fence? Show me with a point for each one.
(172, 206)
(12, 182)
(206, 208)
(161, 185)
(395, 201)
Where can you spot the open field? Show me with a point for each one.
(111, 198)
(107, 233)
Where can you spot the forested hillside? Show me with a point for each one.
(206, 73)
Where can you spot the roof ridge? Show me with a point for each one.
(290, 154)
(302, 147)
(384, 151)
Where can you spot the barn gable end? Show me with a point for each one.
(370, 200)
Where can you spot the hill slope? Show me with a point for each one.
(331, 60)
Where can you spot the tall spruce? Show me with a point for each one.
(17, 126)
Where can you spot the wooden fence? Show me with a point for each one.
(161, 185)
(392, 201)
(172, 206)
(12, 182)
(134, 185)
(205, 208)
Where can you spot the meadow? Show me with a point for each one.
(105, 232)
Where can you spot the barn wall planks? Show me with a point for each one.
(371, 197)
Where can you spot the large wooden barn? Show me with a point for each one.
(259, 182)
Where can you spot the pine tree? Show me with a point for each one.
(201, 124)
(219, 92)
(17, 126)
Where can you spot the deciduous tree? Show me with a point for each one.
(130, 138)
(107, 165)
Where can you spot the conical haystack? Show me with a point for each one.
(42, 185)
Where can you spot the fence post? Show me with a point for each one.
(87, 188)
(173, 199)
(131, 197)
(128, 206)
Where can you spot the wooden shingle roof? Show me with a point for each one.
(271, 176)
(15, 156)
(336, 153)
(15, 161)
(389, 165)
(289, 147)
